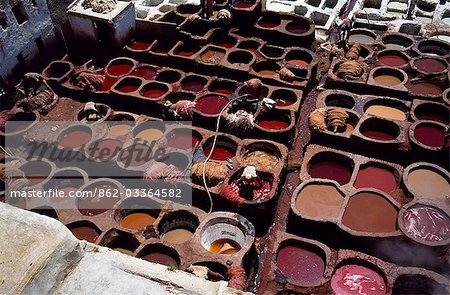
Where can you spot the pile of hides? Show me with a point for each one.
(214, 172)
(240, 123)
(262, 160)
(10, 170)
(184, 109)
(349, 70)
(88, 81)
(162, 171)
(100, 6)
(334, 120)
(39, 102)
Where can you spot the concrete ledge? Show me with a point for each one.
(39, 255)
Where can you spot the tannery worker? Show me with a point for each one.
(31, 84)
(91, 112)
(344, 29)
(249, 181)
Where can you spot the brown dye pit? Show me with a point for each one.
(387, 80)
(177, 236)
(319, 201)
(105, 149)
(392, 60)
(427, 183)
(149, 135)
(361, 38)
(225, 246)
(298, 63)
(267, 73)
(137, 221)
(75, 139)
(386, 112)
(375, 177)
(371, 213)
(135, 155)
(161, 258)
(119, 130)
(262, 160)
(430, 65)
(85, 233)
(426, 223)
(425, 88)
(432, 112)
(212, 56)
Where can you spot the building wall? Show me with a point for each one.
(26, 31)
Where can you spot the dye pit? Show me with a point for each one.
(352, 156)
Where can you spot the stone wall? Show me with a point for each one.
(26, 33)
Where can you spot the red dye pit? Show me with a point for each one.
(128, 88)
(146, 73)
(375, 177)
(136, 45)
(283, 103)
(429, 115)
(392, 60)
(430, 135)
(211, 104)
(119, 70)
(300, 264)
(378, 135)
(154, 93)
(331, 170)
(193, 86)
(183, 141)
(220, 153)
(226, 45)
(75, 139)
(108, 83)
(224, 91)
(186, 53)
(357, 280)
(273, 124)
(243, 5)
(267, 24)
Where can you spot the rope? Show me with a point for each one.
(211, 152)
